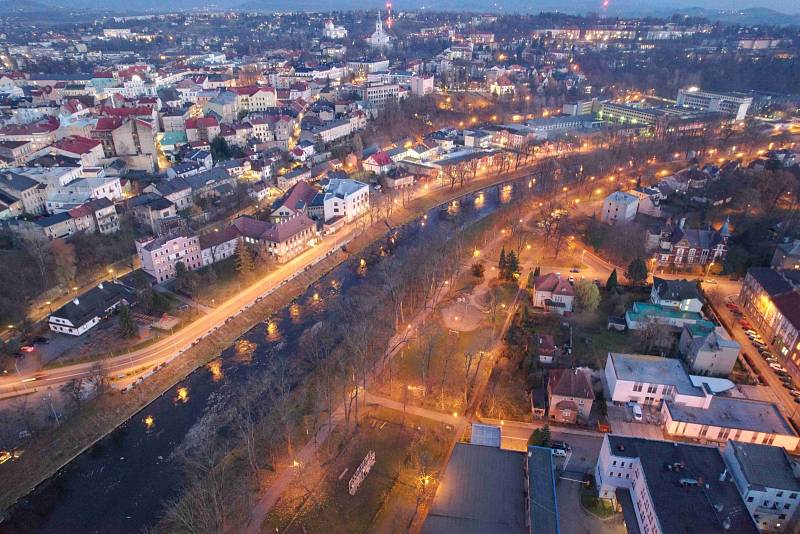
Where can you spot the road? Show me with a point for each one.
(168, 348)
(719, 294)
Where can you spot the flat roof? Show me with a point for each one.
(480, 492)
(654, 370)
(542, 491)
(730, 412)
(766, 466)
(685, 487)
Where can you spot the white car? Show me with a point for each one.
(561, 453)
(637, 412)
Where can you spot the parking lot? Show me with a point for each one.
(622, 422)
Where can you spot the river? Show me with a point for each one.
(120, 484)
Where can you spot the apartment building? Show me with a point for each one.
(160, 255)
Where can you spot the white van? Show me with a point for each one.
(637, 412)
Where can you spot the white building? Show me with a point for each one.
(341, 197)
(159, 256)
(767, 480)
(82, 313)
(727, 103)
(619, 207)
(379, 38)
(331, 31)
(667, 487)
(422, 85)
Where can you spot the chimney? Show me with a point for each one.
(75, 301)
(723, 475)
(100, 285)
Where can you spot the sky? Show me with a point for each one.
(582, 6)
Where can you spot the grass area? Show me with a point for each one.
(387, 498)
(592, 339)
(596, 506)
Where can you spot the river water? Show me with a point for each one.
(120, 484)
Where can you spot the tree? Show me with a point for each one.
(611, 283)
(537, 272)
(127, 326)
(62, 262)
(587, 296)
(540, 437)
(220, 150)
(501, 265)
(531, 283)
(185, 280)
(244, 260)
(512, 266)
(477, 270)
(637, 271)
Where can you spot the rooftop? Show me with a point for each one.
(679, 505)
(480, 492)
(730, 412)
(676, 289)
(765, 466)
(654, 370)
(542, 491)
(770, 279)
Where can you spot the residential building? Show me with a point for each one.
(570, 395)
(202, 129)
(341, 197)
(422, 85)
(787, 256)
(708, 350)
(683, 247)
(29, 191)
(667, 487)
(553, 293)
(619, 207)
(178, 191)
(83, 312)
(380, 93)
(296, 200)
(160, 255)
(379, 163)
(767, 480)
(680, 294)
(284, 240)
(651, 380)
(771, 301)
(218, 245)
(150, 209)
(733, 104)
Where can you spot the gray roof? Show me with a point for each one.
(542, 491)
(765, 466)
(676, 289)
(480, 492)
(94, 303)
(730, 412)
(770, 279)
(16, 181)
(52, 220)
(654, 370)
(686, 508)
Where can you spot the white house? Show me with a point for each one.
(160, 255)
(342, 197)
(553, 293)
(619, 207)
(82, 313)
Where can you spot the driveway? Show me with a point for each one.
(620, 418)
(576, 520)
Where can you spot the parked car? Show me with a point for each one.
(574, 270)
(561, 453)
(637, 412)
(794, 392)
(778, 367)
(557, 444)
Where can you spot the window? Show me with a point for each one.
(703, 430)
(652, 388)
(779, 494)
(750, 499)
(792, 495)
(637, 387)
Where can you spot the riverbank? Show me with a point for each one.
(52, 450)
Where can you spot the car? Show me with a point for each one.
(750, 332)
(778, 367)
(789, 385)
(794, 392)
(757, 344)
(574, 270)
(561, 453)
(557, 444)
(637, 412)
(27, 348)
